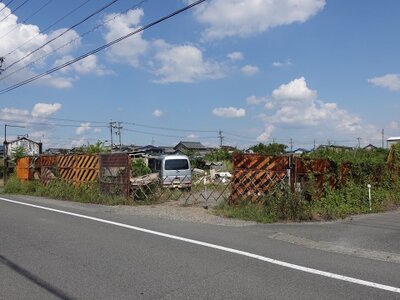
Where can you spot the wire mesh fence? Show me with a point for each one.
(204, 189)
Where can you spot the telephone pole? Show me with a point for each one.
(112, 125)
(359, 142)
(221, 138)
(119, 127)
(291, 144)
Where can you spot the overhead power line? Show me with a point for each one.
(61, 34)
(14, 10)
(49, 27)
(172, 129)
(6, 5)
(93, 29)
(27, 18)
(3, 91)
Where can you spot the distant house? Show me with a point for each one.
(56, 151)
(392, 140)
(370, 147)
(192, 146)
(335, 147)
(31, 147)
(299, 151)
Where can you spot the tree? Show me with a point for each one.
(139, 168)
(270, 149)
(218, 155)
(93, 148)
(18, 153)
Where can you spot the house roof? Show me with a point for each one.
(191, 145)
(370, 146)
(393, 138)
(23, 138)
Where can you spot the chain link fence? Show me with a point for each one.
(205, 189)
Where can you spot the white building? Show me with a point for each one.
(31, 147)
(393, 140)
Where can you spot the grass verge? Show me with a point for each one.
(333, 204)
(63, 190)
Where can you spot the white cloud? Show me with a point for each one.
(388, 81)
(83, 128)
(128, 50)
(294, 90)
(249, 70)
(235, 56)
(265, 135)
(34, 120)
(295, 104)
(14, 114)
(229, 112)
(394, 126)
(192, 136)
(224, 18)
(87, 65)
(15, 43)
(183, 63)
(45, 109)
(253, 100)
(280, 64)
(158, 113)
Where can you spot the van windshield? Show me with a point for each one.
(176, 164)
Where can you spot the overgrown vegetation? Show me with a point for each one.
(139, 168)
(63, 190)
(18, 153)
(344, 193)
(96, 148)
(270, 149)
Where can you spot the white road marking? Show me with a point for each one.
(222, 248)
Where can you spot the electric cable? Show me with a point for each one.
(50, 26)
(3, 91)
(14, 10)
(61, 34)
(6, 5)
(27, 18)
(93, 29)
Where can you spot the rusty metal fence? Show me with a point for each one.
(110, 170)
(114, 174)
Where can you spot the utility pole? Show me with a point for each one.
(1, 64)
(111, 124)
(291, 144)
(383, 138)
(359, 142)
(314, 144)
(221, 138)
(119, 127)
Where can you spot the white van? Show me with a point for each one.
(174, 170)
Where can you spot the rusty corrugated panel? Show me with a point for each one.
(260, 162)
(46, 161)
(115, 174)
(22, 168)
(47, 174)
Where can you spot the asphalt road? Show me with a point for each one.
(91, 252)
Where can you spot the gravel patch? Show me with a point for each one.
(171, 210)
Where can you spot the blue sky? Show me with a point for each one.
(258, 70)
